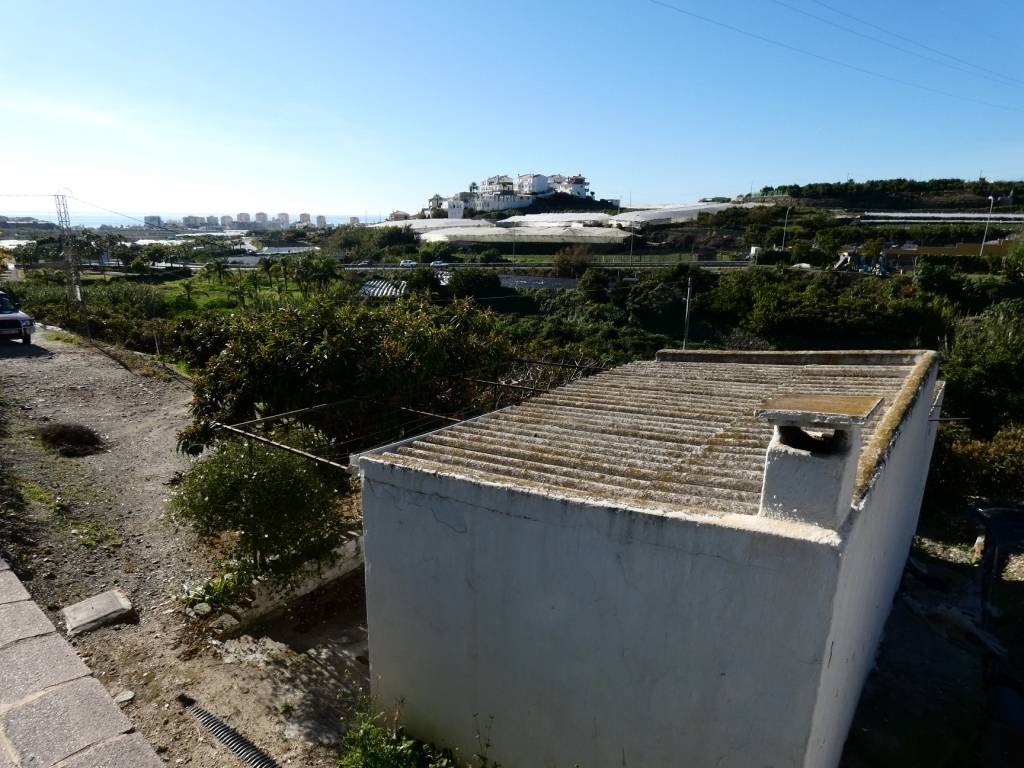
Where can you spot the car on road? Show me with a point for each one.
(408, 263)
(438, 264)
(365, 263)
(15, 324)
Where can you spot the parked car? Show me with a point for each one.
(408, 263)
(15, 324)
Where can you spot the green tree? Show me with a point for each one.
(593, 285)
(479, 283)
(280, 509)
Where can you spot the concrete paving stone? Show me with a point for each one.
(128, 751)
(107, 607)
(21, 620)
(11, 589)
(31, 665)
(63, 721)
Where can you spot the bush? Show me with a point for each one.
(70, 439)
(964, 466)
(985, 367)
(478, 283)
(280, 510)
(573, 260)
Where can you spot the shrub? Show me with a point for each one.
(474, 282)
(985, 367)
(281, 510)
(573, 260)
(70, 439)
(964, 466)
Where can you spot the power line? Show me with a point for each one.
(125, 215)
(1003, 81)
(906, 39)
(830, 60)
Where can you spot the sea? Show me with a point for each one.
(94, 220)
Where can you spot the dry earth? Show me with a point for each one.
(89, 523)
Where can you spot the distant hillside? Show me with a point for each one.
(904, 194)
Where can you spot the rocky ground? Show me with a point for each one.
(82, 525)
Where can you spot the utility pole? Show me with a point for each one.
(785, 224)
(991, 204)
(74, 284)
(74, 277)
(686, 321)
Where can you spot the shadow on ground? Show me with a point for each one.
(945, 692)
(11, 349)
(318, 690)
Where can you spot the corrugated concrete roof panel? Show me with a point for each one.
(668, 434)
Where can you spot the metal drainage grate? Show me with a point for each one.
(228, 736)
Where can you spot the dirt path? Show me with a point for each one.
(87, 524)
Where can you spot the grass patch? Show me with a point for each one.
(91, 534)
(70, 439)
(373, 743)
(34, 493)
(65, 337)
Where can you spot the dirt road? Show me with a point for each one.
(87, 524)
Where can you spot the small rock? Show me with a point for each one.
(124, 697)
(225, 622)
(202, 609)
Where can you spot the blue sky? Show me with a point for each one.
(346, 107)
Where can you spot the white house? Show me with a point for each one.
(680, 562)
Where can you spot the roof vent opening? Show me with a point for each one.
(811, 462)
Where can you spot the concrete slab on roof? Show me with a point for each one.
(676, 435)
(819, 410)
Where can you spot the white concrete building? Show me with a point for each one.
(684, 562)
(226, 221)
(321, 221)
(532, 184)
(497, 185)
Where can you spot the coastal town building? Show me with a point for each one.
(321, 221)
(685, 561)
(153, 221)
(261, 217)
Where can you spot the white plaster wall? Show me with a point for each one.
(877, 535)
(591, 635)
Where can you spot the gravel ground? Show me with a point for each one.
(87, 524)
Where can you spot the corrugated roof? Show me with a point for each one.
(676, 435)
(384, 289)
(545, 234)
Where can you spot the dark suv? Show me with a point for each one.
(13, 322)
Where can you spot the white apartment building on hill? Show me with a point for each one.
(501, 192)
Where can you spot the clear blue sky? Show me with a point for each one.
(345, 107)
